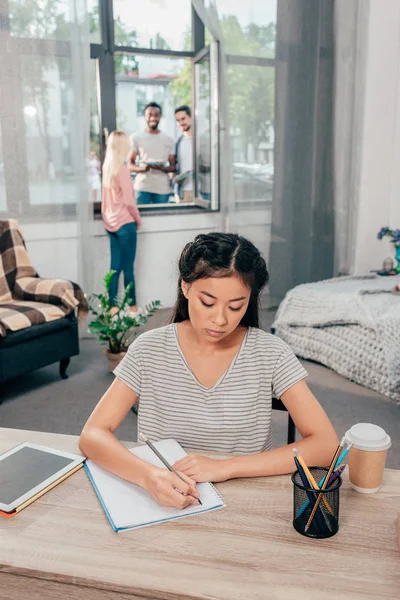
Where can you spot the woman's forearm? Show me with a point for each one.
(315, 450)
(107, 451)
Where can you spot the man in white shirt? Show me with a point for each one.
(184, 156)
(152, 158)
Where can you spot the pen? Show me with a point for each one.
(143, 438)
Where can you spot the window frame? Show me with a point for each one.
(104, 53)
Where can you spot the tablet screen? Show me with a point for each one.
(25, 469)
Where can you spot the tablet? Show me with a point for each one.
(28, 468)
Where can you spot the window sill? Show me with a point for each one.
(162, 209)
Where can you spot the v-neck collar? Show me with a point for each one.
(224, 375)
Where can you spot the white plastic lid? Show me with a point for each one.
(366, 436)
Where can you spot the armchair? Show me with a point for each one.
(38, 325)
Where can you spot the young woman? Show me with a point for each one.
(207, 380)
(120, 214)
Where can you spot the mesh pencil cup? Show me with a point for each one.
(325, 522)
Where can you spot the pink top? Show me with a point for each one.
(118, 206)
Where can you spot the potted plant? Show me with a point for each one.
(394, 235)
(116, 326)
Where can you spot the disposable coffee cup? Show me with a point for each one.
(367, 457)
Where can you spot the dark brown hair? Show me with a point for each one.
(184, 108)
(222, 255)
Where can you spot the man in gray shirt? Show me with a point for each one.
(152, 158)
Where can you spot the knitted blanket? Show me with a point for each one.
(349, 324)
(25, 298)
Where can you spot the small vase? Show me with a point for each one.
(113, 359)
(397, 256)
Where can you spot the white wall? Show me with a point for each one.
(55, 251)
(378, 142)
(54, 248)
(160, 242)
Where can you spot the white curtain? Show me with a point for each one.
(350, 39)
(44, 132)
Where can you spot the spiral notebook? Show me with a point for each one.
(128, 506)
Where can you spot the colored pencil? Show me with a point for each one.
(331, 466)
(335, 475)
(307, 485)
(343, 454)
(311, 478)
(321, 481)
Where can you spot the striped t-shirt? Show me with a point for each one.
(234, 415)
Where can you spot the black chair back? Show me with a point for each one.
(291, 431)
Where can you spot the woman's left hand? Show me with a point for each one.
(201, 468)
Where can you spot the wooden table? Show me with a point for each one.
(63, 546)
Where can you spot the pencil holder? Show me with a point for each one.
(325, 520)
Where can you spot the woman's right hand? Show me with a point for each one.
(163, 485)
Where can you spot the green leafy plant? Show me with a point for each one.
(116, 328)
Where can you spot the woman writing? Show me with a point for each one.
(120, 214)
(207, 380)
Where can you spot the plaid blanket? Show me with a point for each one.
(25, 298)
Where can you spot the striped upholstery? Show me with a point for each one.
(25, 298)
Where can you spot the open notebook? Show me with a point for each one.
(129, 506)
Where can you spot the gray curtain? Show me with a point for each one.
(302, 233)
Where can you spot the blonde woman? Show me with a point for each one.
(120, 213)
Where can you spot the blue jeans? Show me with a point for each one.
(205, 195)
(123, 251)
(150, 198)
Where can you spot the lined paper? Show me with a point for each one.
(129, 506)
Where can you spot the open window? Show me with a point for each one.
(206, 124)
(171, 67)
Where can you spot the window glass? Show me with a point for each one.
(94, 21)
(251, 117)
(41, 19)
(248, 28)
(203, 128)
(95, 156)
(48, 109)
(94, 109)
(142, 79)
(158, 24)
